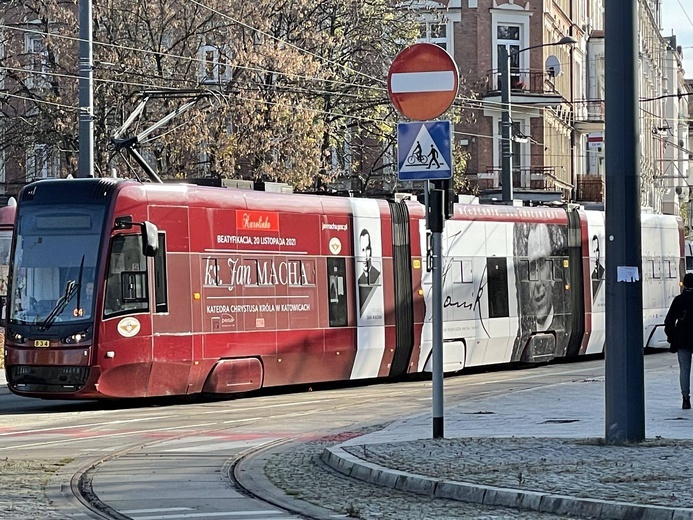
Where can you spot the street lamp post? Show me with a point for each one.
(506, 153)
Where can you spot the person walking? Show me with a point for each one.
(433, 158)
(678, 326)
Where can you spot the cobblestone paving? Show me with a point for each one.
(654, 472)
(658, 472)
(22, 484)
(301, 474)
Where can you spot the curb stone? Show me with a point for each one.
(354, 467)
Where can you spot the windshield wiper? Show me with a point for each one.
(72, 287)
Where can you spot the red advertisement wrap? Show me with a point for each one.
(259, 292)
(335, 234)
(247, 220)
(270, 232)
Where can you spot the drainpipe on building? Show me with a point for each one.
(573, 176)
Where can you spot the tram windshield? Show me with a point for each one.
(54, 264)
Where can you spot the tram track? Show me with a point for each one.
(82, 481)
(217, 439)
(82, 488)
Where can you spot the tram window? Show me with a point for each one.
(336, 287)
(467, 276)
(539, 269)
(211, 271)
(669, 268)
(497, 277)
(133, 286)
(126, 285)
(656, 269)
(160, 281)
(307, 272)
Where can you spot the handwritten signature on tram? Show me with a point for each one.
(473, 305)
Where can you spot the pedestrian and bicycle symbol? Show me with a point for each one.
(424, 151)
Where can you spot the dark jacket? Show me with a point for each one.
(678, 325)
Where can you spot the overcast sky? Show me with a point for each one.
(677, 18)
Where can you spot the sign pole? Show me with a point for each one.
(422, 84)
(437, 222)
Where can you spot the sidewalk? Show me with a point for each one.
(540, 450)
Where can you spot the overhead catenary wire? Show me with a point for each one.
(685, 13)
(198, 60)
(195, 59)
(460, 102)
(487, 104)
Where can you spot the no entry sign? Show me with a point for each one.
(423, 81)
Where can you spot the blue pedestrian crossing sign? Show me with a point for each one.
(424, 151)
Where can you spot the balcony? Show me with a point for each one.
(535, 183)
(588, 115)
(534, 87)
(591, 188)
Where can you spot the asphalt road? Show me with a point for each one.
(163, 458)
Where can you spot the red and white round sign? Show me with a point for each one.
(423, 81)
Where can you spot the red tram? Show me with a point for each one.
(122, 289)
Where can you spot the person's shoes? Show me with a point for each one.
(686, 402)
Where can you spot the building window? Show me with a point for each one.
(436, 32)
(214, 64)
(436, 21)
(341, 154)
(2, 58)
(37, 61)
(41, 163)
(509, 36)
(517, 137)
(510, 28)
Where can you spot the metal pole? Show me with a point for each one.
(86, 92)
(437, 221)
(507, 158)
(624, 354)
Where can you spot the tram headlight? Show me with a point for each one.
(17, 337)
(79, 337)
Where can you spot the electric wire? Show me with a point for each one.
(461, 102)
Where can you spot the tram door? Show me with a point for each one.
(172, 321)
